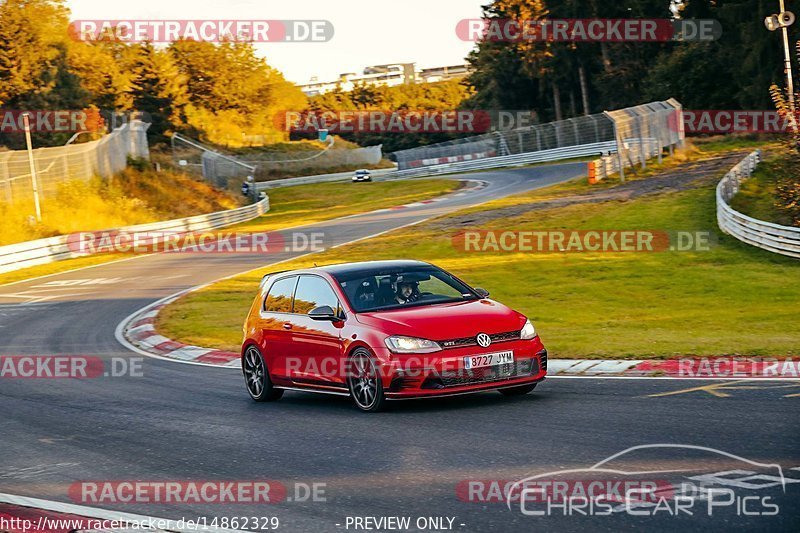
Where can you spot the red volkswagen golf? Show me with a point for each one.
(385, 330)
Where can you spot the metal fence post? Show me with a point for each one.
(37, 207)
(620, 145)
(640, 135)
(5, 175)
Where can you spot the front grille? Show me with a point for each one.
(470, 341)
(543, 358)
(457, 378)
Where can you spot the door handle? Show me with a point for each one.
(287, 325)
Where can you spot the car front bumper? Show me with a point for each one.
(444, 374)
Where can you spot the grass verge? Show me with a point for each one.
(307, 204)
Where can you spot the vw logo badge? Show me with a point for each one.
(483, 339)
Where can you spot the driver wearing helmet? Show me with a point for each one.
(407, 291)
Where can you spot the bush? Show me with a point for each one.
(135, 196)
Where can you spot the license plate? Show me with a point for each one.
(488, 359)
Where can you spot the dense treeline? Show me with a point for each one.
(439, 96)
(225, 94)
(560, 80)
(220, 92)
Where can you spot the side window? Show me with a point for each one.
(279, 299)
(313, 292)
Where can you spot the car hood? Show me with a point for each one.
(446, 321)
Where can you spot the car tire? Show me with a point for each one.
(256, 377)
(366, 388)
(518, 391)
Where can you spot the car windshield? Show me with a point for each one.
(400, 287)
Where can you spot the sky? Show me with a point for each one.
(367, 32)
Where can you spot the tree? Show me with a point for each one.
(439, 96)
(157, 88)
(228, 82)
(99, 66)
(509, 75)
(29, 55)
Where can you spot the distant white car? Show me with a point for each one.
(362, 175)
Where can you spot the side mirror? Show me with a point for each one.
(323, 312)
(483, 293)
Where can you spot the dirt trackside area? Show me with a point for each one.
(689, 175)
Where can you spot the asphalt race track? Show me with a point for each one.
(186, 422)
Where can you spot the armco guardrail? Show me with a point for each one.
(784, 240)
(542, 156)
(42, 251)
(320, 178)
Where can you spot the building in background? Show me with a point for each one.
(388, 75)
(453, 72)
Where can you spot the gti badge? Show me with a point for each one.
(483, 339)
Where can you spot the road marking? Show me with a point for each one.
(22, 306)
(34, 299)
(719, 390)
(61, 283)
(33, 472)
(60, 273)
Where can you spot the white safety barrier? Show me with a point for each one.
(784, 240)
(320, 178)
(542, 156)
(43, 251)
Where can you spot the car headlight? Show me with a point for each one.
(400, 344)
(528, 331)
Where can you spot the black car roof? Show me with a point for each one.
(368, 266)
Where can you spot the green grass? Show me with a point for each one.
(732, 299)
(758, 196)
(717, 144)
(306, 204)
